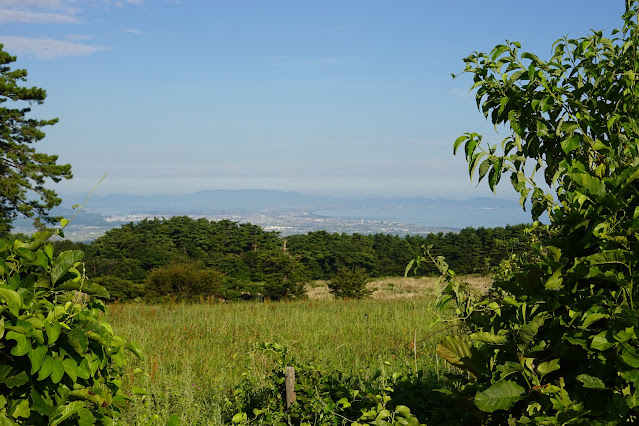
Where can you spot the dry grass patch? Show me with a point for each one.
(399, 287)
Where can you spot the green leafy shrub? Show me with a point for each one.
(555, 340)
(60, 363)
(350, 283)
(282, 275)
(119, 288)
(240, 289)
(184, 282)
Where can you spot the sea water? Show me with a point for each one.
(444, 217)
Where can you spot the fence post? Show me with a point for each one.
(289, 374)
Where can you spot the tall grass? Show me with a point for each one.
(196, 353)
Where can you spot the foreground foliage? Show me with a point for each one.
(556, 339)
(60, 362)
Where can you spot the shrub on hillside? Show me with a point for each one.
(282, 276)
(240, 289)
(119, 288)
(184, 282)
(350, 283)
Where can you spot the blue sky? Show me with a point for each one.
(346, 98)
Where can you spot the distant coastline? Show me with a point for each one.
(289, 212)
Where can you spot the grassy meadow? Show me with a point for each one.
(196, 353)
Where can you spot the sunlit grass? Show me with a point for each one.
(397, 287)
(194, 354)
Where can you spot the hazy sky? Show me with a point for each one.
(344, 97)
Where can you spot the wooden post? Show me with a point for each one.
(289, 375)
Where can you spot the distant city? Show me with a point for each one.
(287, 213)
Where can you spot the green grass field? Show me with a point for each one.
(196, 353)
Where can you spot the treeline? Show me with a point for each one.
(188, 258)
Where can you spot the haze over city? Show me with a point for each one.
(327, 98)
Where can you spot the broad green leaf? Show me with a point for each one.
(22, 346)
(85, 417)
(64, 412)
(607, 257)
(403, 410)
(472, 164)
(459, 141)
(22, 409)
(591, 382)
(78, 340)
(554, 253)
(548, 366)
(600, 146)
(591, 318)
(453, 349)
(37, 357)
(53, 330)
(17, 380)
(459, 352)
(40, 405)
(568, 127)
(383, 414)
(484, 336)
(625, 335)
(601, 342)
(532, 57)
(71, 368)
(591, 184)
(239, 418)
(6, 421)
(528, 331)
(48, 250)
(484, 167)
(25, 253)
(41, 260)
(630, 375)
(570, 144)
(629, 355)
(3, 267)
(494, 175)
(84, 286)
(63, 263)
(87, 395)
(555, 282)
(46, 369)
(500, 396)
(84, 371)
(498, 50)
(134, 348)
(57, 372)
(13, 299)
(516, 75)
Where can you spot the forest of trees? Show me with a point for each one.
(242, 260)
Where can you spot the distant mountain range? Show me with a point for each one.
(256, 199)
